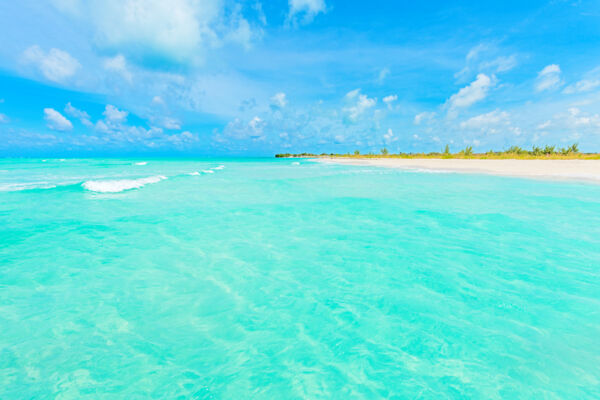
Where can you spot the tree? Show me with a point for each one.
(356, 152)
(447, 150)
(384, 151)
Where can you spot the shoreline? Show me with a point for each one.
(566, 170)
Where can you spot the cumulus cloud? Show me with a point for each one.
(308, 8)
(358, 104)
(279, 100)
(81, 115)
(113, 119)
(113, 114)
(118, 65)
(176, 30)
(471, 94)
(548, 78)
(56, 121)
(239, 130)
(56, 65)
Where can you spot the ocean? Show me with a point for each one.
(291, 279)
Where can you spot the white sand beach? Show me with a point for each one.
(578, 170)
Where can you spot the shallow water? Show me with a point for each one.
(266, 279)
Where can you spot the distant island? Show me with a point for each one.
(514, 152)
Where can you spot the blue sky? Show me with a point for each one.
(219, 77)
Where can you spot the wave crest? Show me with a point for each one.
(119, 185)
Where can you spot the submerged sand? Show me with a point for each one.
(579, 170)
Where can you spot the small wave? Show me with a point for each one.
(120, 185)
(141, 163)
(208, 171)
(16, 187)
(194, 173)
(295, 163)
(219, 167)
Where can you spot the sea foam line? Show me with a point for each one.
(119, 185)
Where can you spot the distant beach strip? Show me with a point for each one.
(577, 170)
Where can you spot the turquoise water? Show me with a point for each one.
(266, 279)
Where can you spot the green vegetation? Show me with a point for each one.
(513, 152)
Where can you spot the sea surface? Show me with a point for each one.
(290, 279)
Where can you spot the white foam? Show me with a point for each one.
(194, 173)
(219, 167)
(295, 163)
(208, 171)
(119, 185)
(141, 163)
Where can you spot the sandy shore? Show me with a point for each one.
(579, 170)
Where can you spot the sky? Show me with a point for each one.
(255, 78)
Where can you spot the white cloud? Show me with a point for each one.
(177, 30)
(79, 114)
(487, 121)
(113, 114)
(310, 8)
(500, 64)
(544, 125)
(389, 137)
(279, 100)
(3, 118)
(359, 104)
(474, 92)
(56, 65)
(390, 99)
(239, 130)
(170, 123)
(158, 100)
(584, 85)
(481, 59)
(579, 119)
(56, 121)
(256, 124)
(424, 116)
(113, 121)
(118, 64)
(548, 78)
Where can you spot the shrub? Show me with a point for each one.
(549, 150)
(574, 148)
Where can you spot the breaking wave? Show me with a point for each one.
(119, 185)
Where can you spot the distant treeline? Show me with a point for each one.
(512, 152)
